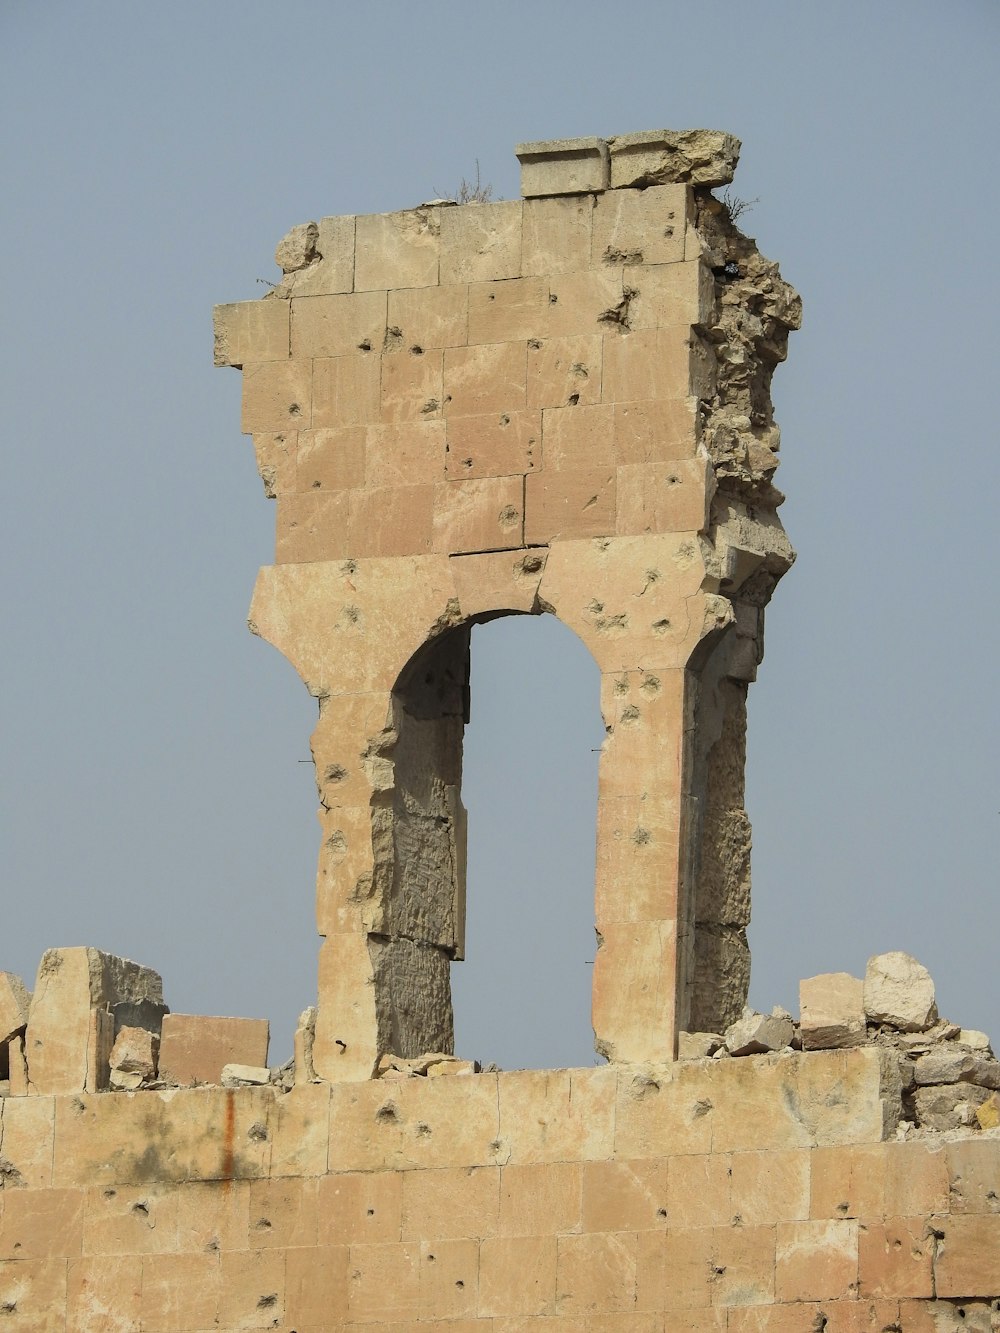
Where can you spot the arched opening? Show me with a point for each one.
(522, 996)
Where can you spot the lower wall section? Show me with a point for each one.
(745, 1195)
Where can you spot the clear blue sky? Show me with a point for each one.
(154, 800)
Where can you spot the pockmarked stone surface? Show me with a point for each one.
(550, 405)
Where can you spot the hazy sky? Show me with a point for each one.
(155, 802)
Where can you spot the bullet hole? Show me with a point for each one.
(262, 1224)
(504, 419)
(371, 1212)
(336, 773)
(365, 345)
(294, 410)
(142, 1208)
(630, 714)
(553, 298)
(387, 1112)
(460, 1284)
(317, 485)
(508, 516)
(431, 405)
(660, 626)
(266, 1302)
(641, 837)
(349, 567)
(352, 614)
(416, 350)
(257, 1133)
(534, 343)
(661, 1212)
(572, 401)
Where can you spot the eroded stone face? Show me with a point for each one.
(551, 405)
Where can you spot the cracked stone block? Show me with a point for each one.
(14, 1001)
(755, 1033)
(899, 992)
(133, 1057)
(832, 1011)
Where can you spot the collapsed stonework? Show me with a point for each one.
(554, 405)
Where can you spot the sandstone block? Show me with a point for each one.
(743, 1265)
(490, 377)
(180, 1291)
(580, 438)
(26, 1148)
(487, 579)
(361, 1208)
(632, 1009)
(665, 295)
(277, 396)
(563, 166)
(659, 1112)
(674, 1273)
(700, 157)
(556, 236)
(245, 1076)
(317, 1286)
(407, 453)
(398, 249)
(968, 1259)
(832, 1011)
(624, 1195)
(569, 504)
(451, 1203)
(194, 1049)
(391, 520)
(517, 1276)
(330, 267)
(134, 1056)
(565, 372)
(638, 860)
(430, 316)
(336, 325)
(14, 1001)
(510, 311)
(70, 1025)
(497, 445)
(988, 1115)
(596, 1274)
(480, 242)
(346, 391)
(251, 331)
(297, 247)
(816, 1261)
(664, 497)
(540, 1199)
(275, 453)
(312, 526)
(252, 1284)
(640, 226)
(41, 1224)
(14, 1066)
(770, 1187)
(412, 385)
(35, 1291)
(330, 460)
(557, 1115)
(131, 1219)
(896, 1258)
(698, 1045)
(649, 365)
(103, 1292)
(899, 992)
(587, 302)
(484, 514)
(655, 432)
(699, 1190)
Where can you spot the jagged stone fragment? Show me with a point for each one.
(195, 1048)
(14, 1001)
(975, 1040)
(939, 1067)
(133, 1057)
(297, 248)
(70, 1028)
(302, 1046)
(755, 1033)
(660, 157)
(899, 992)
(245, 1076)
(832, 1011)
(698, 1045)
(988, 1114)
(952, 1107)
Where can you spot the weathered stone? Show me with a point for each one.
(951, 1107)
(14, 1001)
(245, 1076)
(194, 1049)
(70, 1027)
(755, 1033)
(12, 1059)
(832, 1011)
(659, 157)
(297, 248)
(134, 1055)
(975, 1040)
(988, 1114)
(899, 992)
(563, 166)
(698, 1045)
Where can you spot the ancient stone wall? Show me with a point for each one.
(555, 405)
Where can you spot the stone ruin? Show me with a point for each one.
(553, 405)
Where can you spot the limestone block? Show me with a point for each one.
(664, 295)
(412, 385)
(587, 302)
(311, 526)
(644, 714)
(347, 745)
(14, 1001)
(345, 1045)
(973, 1175)
(35, 1291)
(252, 1284)
(391, 520)
(398, 249)
(277, 396)
(430, 316)
(103, 1292)
(698, 1045)
(675, 1272)
(754, 1033)
(816, 1261)
(450, 1203)
(330, 268)
(194, 1048)
(517, 1276)
(640, 226)
(580, 438)
(975, 1040)
(407, 453)
(297, 247)
(480, 242)
(180, 1291)
(634, 1000)
(361, 1207)
(316, 1286)
(496, 445)
(569, 504)
(346, 391)
(41, 1223)
(13, 1060)
(638, 859)
(26, 1146)
(557, 1115)
(539, 1199)
(988, 1115)
(275, 452)
(832, 1011)
(648, 365)
(896, 1259)
(510, 311)
(330, 460)
(968, 1259)
(484, 514)
(134, 1055)
(664, 497)
(556, 235)
(770, 1187)
(251, 331)
(336, 325)
(698, 1190)
(743, 1265)
(490, 377)
(131, 1219)
(488, 579)
(700, 157)
(596, 1274)
(563, 166)
(245, 1076)
(565, 372)
(70, 1028)
(899, 992)
(655, 431)
(624, 1196)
